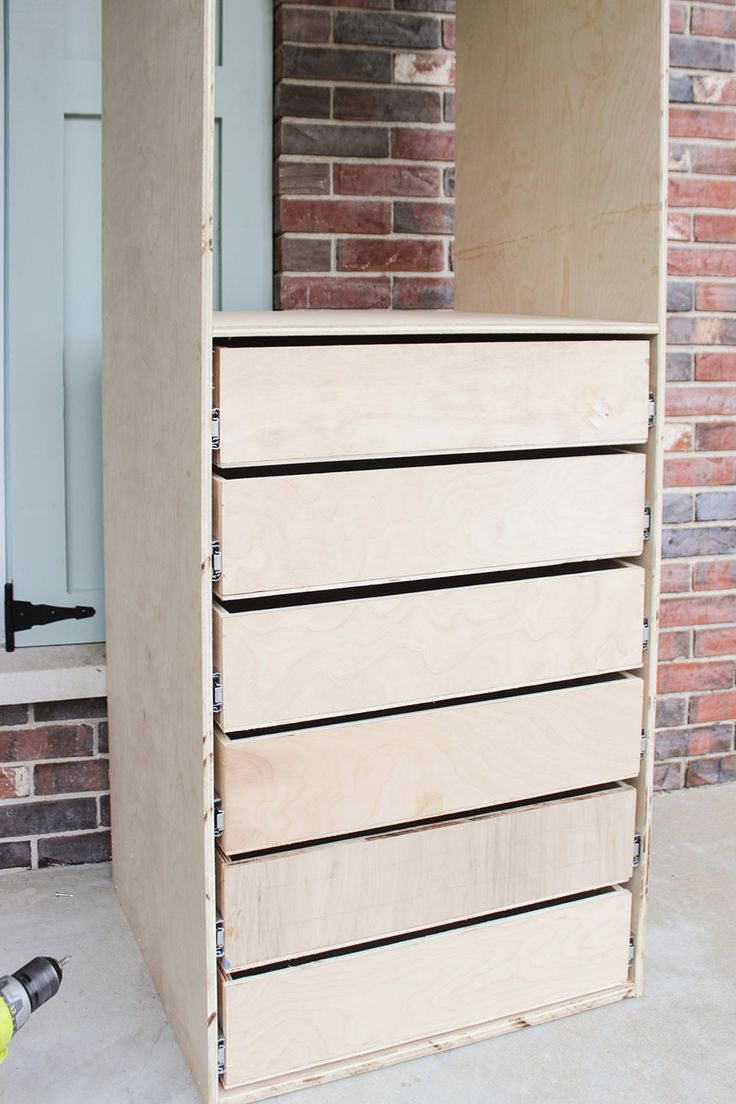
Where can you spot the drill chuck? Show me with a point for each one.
(23, 992)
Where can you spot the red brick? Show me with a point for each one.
(713, 706)
(715, 297)
(715, 436)
(719, 575)
(678, 18)
(424, 218)
(449, 36)
(302, 178)
(326, 216)
(701, 330)
(388, 180)
(702, 122)
(675, 578)
(423, 144)
(674, 645)
(667, 776)
(701, 740)
(712, 89)
(688, 191)
(673, 678)
(715, 228)
(698, 472)
(700, 399)
(46, 742)
(65, 778)
(296, 25)
(714, 642)
(699, 610)
(431, 68)
(302, 254)
(390, 255)
(710, 21)
(701, 262)
(338, 293)
(679, 226)
(387, 105)
(713, 159)
(422, 293)
(715, 366)
(14, 782)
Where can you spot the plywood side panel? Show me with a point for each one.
(292, 1019)
(298, 786)
(301, 532)
(336, 894)
(559, 198)
(333, 402)
(157, 135)
(298, 663)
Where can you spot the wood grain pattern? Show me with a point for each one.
(337, 894)
(279, 666)
(156, 189)
(292, 1019)
(559, 197)
(301, 785)
(324, 403)
(301, 532)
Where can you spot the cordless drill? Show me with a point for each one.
(23, 992)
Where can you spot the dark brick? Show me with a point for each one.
(15, 856)
(302, 101)
(13, 714)
(679, 366)
(91, 847)
(33, 818)
(703, 772)
(677, 507)
(701, 740)
(393, 105)
(105, 811)
(670, 712)
(424, 218)
(362, 29)
(61, 778)
(302, 178)
(715, 540)
(667, 776)
(425, 5)
(302, 255)
(297, 25)
(102, 741)
(715, 505)
(706, 330)
(81, 709)
(332, 141)
(321, 63)
(448, 110)
(423, 293)
(449, 181)
(45, 742)
(680, 295)
(681, 88)
(701, 53)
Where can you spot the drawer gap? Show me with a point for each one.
(407, 826)
(243, 341)
(388, 941)
(377, 463)
(423, 707)
(413, 586)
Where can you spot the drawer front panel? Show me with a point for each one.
(339, 658)
(293, 1019)
(331, 529)
(285, 405)
(392, 770)
(331, 895)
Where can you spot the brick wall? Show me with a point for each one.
(697, 703)
(363, 173)
(54, 805)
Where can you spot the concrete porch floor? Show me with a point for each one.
(105, 1039)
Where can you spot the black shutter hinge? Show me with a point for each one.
(21, 616)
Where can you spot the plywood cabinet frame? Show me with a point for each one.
(158, 79)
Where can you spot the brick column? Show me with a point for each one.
(364, 147)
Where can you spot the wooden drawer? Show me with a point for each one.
(311, 402)
(354, 1004)
(337, 894)
(297, 663)
(436, 762)
(298, 532)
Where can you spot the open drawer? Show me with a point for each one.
(306, 1016)
(303, 403)
(332, 659)
(331, 895)
(329, 529)
(434, 762)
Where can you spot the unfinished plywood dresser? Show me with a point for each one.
(381, 589)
